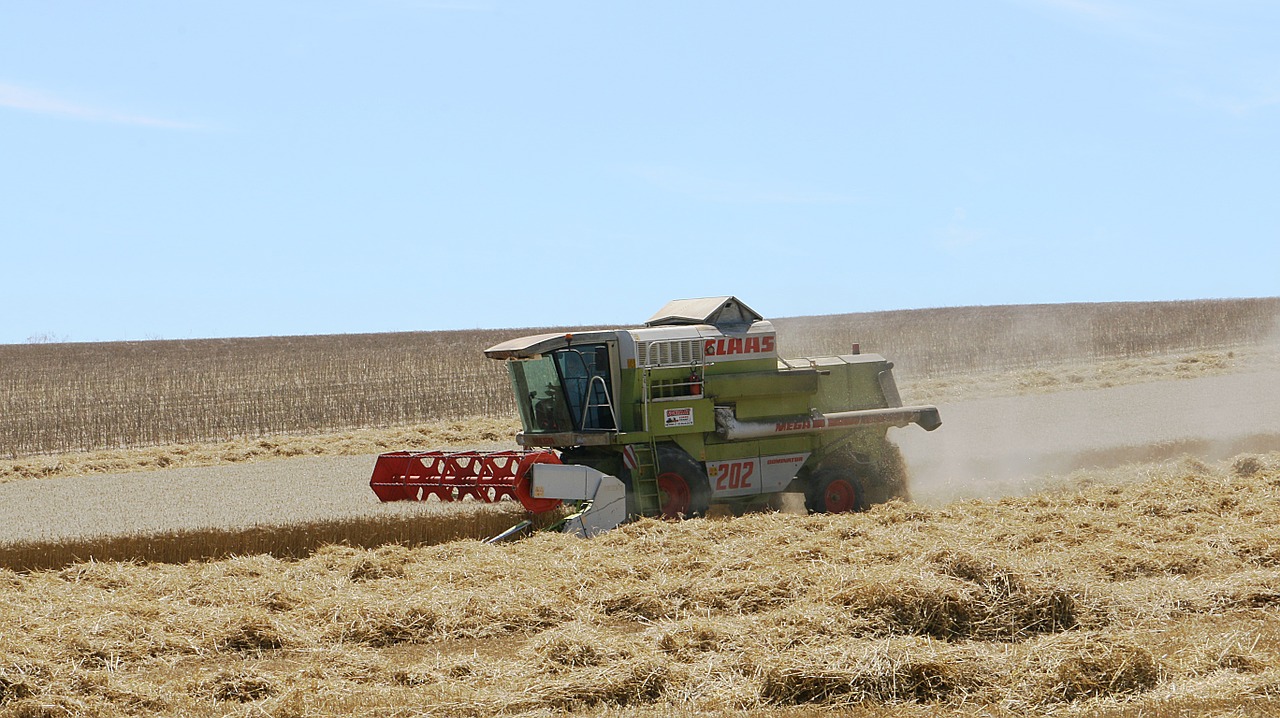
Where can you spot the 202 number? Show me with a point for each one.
(735, 475)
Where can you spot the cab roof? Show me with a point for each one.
(531, 346)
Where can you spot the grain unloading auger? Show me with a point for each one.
(692, 409)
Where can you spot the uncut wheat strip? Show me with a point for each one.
(282, 541)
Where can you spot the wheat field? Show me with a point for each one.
(56, 398)
(1150, 589)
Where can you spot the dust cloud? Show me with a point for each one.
(1011, 446)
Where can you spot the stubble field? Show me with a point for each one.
(1141, 589)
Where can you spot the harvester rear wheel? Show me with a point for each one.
(683, 488)
(835, 492)
(855, 479)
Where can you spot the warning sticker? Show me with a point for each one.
(679, 417)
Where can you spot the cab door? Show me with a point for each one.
(587, 379)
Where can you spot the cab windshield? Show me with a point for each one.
(566, 390)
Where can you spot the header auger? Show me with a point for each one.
(692, 409)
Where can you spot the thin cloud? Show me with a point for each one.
(712, 189)
(1238, 106)
(25, 99)
(1092, 10)
(447, 5)
(1118, 19)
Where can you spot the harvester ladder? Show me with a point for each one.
(644, 479)
(644, 475)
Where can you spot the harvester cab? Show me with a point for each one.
(694, 408)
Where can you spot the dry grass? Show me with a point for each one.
(57, 398)
(967, 340)
(1061, 375)
(1152, 590)
(61, 398)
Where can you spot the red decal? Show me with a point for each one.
(737, 345)
(734, 475)
(786, 460)
(793, 426)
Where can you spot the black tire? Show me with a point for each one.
(869, 478)
(835, 490)
(683, 487)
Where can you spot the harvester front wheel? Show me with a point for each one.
(683, 488)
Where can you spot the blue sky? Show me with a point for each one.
(205, 169)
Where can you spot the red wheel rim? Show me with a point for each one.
(674, 495)
(840, 497)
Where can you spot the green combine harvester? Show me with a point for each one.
(693, 409)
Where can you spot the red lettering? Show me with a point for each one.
(738, 345)
(732, 476)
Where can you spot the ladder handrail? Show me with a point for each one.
(608, 401)
(644, 396)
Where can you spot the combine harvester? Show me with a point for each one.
(692, 409)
